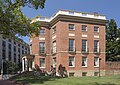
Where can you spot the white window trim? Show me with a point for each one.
(98, 46)
(74, 44)
(44, 32)
(54, 47)
(86, 28)
(53, 32)
(86, 45)
(74, 63)
(98, 61)
(98, 28)
(71, 29)
(44, 66)
(86, 61)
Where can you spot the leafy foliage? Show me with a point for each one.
(13, 21)
(112, 41)
(9, 67)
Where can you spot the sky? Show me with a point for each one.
(109, 8)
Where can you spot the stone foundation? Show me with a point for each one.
(80, 73)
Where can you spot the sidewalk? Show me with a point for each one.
(8, 82)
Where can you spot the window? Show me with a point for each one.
(25, 52)
(42, 62)
(23, 47)
(18, 58)
(54, 29)
(71, 74)
(19, 50)
(15, 43)
(9, 40)
(71, 61)
(3, 53)
(96, 29)
(30, 48)
(9, 45)
(14, 48)
(3, 50)
(71, 45)
(3, 44)
(3, 37)
(84, 28)
(19, 45)
(42, 31)
(96, 61)
(71, 27)
(96, 45)
(22, 51)
(96, 73)
(84, 61)
(54, 62)
(42, 47)
(26, 48)
(84, 73)
(84, 45)
(9, 56)
(14, 57)
(54, 47)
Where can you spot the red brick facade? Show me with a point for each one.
(62, 36)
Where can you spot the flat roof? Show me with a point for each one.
(70, 13)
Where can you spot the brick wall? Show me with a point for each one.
(112, 68)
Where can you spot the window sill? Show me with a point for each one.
(42, 67)
(96, 32)
(71, 29)
(96, 66)
(54, 33)
(84, 31)
(71, 66)
(84, 66)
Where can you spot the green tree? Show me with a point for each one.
(12, 19)
(9, 67)
(112, 41)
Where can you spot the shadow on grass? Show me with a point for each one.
(34, 80)
(96, 83)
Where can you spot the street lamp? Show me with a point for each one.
(99, 66)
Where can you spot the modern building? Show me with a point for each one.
(12, 49)
(75, 40)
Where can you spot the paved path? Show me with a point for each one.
(8, 82)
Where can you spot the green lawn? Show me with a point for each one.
(109, 80)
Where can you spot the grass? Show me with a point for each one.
(108, 80)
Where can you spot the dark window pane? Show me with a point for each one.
(84, 28)
(9, 40)
(96, 29)
(71, 45)
(42, 31)
(84, 45)
(42, 47)
(71, 27)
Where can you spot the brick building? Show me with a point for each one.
(76, 40)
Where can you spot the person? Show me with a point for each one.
(60, 70)
(53, 72)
